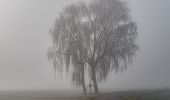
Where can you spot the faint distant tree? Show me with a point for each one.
(101, 34)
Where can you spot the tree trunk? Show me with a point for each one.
(83, 81)
(84, 88)
(96, 90)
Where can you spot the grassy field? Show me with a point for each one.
(74, 95)
(136, 95)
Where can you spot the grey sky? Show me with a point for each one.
(24, 40)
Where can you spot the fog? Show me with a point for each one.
(25, 39)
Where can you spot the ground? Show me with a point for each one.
(163, 94)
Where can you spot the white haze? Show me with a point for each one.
(24, 41)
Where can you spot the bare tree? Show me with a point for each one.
(101, 34)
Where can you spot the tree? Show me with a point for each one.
(101, 34)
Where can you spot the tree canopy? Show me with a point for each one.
(100, 34)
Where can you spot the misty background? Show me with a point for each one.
(25, 39)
